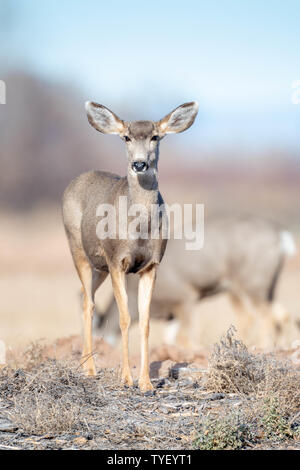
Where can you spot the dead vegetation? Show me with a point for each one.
(269, 392)
(242, 400)
(49, 397)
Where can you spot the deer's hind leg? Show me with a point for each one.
(90, 280)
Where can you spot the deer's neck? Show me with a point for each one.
(143, 187)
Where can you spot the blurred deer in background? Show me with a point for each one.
(95, 257)
(242, 255)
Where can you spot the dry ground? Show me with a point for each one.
(236, 400)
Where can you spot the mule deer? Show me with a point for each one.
(242, 255)
(94, 257)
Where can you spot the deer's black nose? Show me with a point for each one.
(139, 167)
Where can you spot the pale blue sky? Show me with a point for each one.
(238, 58)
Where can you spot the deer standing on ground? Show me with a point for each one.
(94, 258)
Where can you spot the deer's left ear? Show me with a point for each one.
(180, 119)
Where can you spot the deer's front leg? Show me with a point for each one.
(146, 286)
(118, 283)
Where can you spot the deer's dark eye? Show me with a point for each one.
(127, 138)
(154, 138)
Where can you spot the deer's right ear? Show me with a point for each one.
(102, 119)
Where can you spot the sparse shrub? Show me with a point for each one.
(33, 355)
(226, 431)
(269, 390)
(232, 368)
(282, 384)
(273, 422)
(50, 397)
(42, 414)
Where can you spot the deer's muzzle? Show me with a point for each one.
(139, 167)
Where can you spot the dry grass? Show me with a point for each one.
(232, 368)
(48, 396)
(269, 398)
(42, 414)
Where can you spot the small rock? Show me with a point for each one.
(150, 393)
(175, 406)
(214, 396)
(7, 426)
(170, 397)
(184, 372)
(160, 369)
(163, 410)
(176, 370)
(60, 443)
(19, 373)
(186, 382)
(161, 383)
(80, 441)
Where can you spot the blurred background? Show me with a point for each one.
(239, 60)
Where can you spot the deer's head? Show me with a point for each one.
(141, 137)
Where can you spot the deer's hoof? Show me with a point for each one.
(89, 369)
(127, 380)
(91, 372)
(145, 385)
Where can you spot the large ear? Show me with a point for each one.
(102, 119)
(180, 119)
